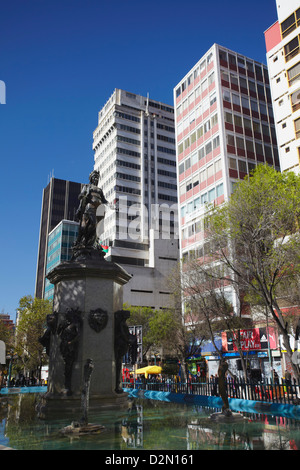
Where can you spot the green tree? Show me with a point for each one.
(141, 316)
(255, 235)
(165, 330)
(209, 297)
(32, 314)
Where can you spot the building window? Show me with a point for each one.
(295, 100)
(297, 128)
(291, 49)
(211, 194)
(209, 58)
(189, 185)
(220, 190)
(228, 118)
(242, 166)
(187, 163)
(211, 78)
(232, 164)
(218, 165)
(210, 171)
(240, 143)
(226, 96)
(216, 142)
(294, 74)
(291, 23)
(223, 55)
(230, 140)
(236, 99)
(202, 176)
(232, 60)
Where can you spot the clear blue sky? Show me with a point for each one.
(61, 61)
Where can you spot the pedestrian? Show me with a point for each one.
(275, 377)
(214, 385)
(288, 381)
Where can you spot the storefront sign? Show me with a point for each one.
(253, 339)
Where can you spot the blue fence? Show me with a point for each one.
(17, 390)
(267, 391)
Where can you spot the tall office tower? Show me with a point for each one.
(283, 59)
(60, 201)
(134, 151)
(224, 128)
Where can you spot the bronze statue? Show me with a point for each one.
(91, 197)
(69, 331)
(98, 319)
(51, 320)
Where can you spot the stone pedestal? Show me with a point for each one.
(93, 288)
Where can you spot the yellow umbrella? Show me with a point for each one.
(149, 370)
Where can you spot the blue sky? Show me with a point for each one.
(61, 61)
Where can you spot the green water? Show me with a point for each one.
(145, 425)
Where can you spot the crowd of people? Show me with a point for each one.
(23, 381)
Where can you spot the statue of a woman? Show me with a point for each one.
(91, 197)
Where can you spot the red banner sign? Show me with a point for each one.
(254, 339)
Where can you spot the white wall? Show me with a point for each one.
(285, 8)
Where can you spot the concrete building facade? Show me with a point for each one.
(283, 59)
(134, 151)
(224, 128)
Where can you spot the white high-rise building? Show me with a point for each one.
(134, 151)
(283, 58)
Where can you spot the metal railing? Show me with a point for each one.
(267, 391)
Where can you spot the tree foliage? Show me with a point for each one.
(32, 314)
(255, 236)
(165, 331)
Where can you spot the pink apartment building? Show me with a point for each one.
(224, 127)
(283, 58)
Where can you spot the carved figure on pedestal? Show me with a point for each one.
(69, 332)
(51, 320)
(98, 319)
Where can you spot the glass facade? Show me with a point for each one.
(60, 242)
(60, 202)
